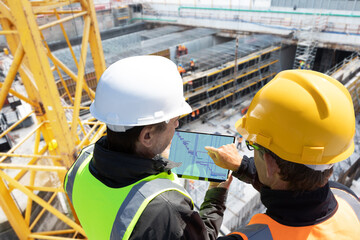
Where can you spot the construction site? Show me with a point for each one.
(53, 53)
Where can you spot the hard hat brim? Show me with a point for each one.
(183, 110)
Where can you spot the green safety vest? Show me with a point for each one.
(112, 213)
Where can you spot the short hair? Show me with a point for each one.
(125, 141)
(299, 177)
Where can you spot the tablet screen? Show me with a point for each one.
(189, 149)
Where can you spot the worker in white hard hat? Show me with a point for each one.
(121, 187)
(299, 125)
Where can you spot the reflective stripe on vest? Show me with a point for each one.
(344, 224)
(137, 199)
(350, 199)
(85, 153)
(112, 213)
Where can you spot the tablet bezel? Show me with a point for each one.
(202, 178)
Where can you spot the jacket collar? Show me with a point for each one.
(307, 208)
(116, 169)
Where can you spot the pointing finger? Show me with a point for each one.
(211, 149)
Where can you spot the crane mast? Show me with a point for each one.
(63, 136)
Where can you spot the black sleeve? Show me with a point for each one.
(171, 216)
(231, 237)
(247, 172)
(212, 210)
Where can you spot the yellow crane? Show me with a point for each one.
(62, 137)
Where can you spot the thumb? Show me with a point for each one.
(212, 155)
(213, 152)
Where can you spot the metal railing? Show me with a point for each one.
(340, 65)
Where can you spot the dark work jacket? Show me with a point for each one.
(170, 215)
(287, 208)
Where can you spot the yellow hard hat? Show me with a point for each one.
(302, 116)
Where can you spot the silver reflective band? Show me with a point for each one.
(117, 128)
(86, 152)
(320, 168)
(135, 198)
(350, 199)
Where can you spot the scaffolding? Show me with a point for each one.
(348, 73)
(307, 45)
(221, 54)
(121, 15)
(212, 86)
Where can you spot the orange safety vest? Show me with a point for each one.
(181, 70)
(344, 224)
(192, 63)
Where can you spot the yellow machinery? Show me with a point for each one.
(43, 168)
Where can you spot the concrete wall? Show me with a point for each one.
(351, 5)
(330, 26)
(74, 27)
(287, 56)
(213, 3)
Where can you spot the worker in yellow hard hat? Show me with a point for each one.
(121, 187)
(299, 125)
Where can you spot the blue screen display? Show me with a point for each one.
(189, 149)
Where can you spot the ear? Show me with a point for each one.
(146, 136)
(271, 166)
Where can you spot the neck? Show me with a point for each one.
(299, 209)
(142, 151)
(279, 184)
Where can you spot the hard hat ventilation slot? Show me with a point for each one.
(159, 114)
(312, 154)
(263, 140)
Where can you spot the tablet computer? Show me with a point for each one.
(189, 149)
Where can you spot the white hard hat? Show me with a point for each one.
(138, 91)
